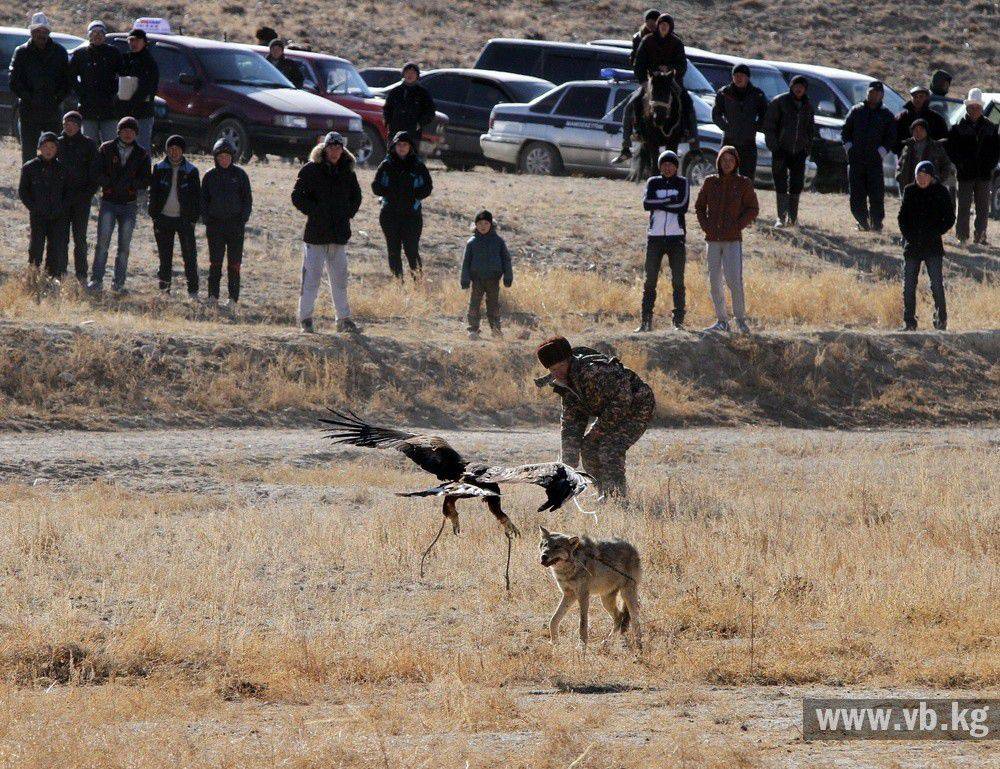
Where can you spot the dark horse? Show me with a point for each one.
(659, 121)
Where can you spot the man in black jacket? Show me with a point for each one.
(78, 154)
(402, 181)
(409, 106)
(39, 78)
(43, 191)
(284, 65)
(226, 204)
(648, 28)
(139, 63)
(919, 108)
(94, 75)
(869, 134)
(974, 148)
(328, 193)
(739, 112)
(788, 128)
(174, 207)
(926, 213)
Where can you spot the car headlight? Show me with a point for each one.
(830, 134)
(354, 125)
(290, 121)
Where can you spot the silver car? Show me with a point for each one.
(577, 127)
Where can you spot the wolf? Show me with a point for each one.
(583, 567)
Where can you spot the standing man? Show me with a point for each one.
(287, 67)
(919, 108)
(648, 27)
(788, 128)
(39, 78)
(402, 181)
(94, 73)
(226, 205)
(122, 173)
(739, 112)
(918, 148)
(975, 150)
(926, 213)
(666, 199)
(596, 386)
(328, 193)
(868, 134)
(174, 207)
(78, 154)
(409, 106)
(43, 192)
(726, 205)
(139, 63)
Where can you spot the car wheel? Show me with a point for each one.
(234, 131)
(540, 159)
(995, 199)
(371, 152)
(699, 168)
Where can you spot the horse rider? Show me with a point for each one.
(660, 50)
(648, 27)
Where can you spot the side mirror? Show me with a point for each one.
(826, 107)
(190, 80)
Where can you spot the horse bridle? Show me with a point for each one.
(657, 102)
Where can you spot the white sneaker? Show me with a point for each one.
(719, 327)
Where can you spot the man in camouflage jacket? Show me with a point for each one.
(598, 386)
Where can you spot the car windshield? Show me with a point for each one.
(525, 91)
(242, 68)
(769, 81)
(696, 82)
(342, 77)
(857, 89)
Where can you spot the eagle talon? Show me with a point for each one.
(510, 529)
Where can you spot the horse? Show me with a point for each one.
(659, 121)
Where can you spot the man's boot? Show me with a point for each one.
(626, 153)
(792, 218)
(646, 324)
(782, 201)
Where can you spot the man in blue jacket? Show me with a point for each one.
(666, 199)
(175, 207)
(868, 134)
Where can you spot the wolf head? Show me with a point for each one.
(554, 548)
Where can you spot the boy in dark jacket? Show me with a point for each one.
(44, 192)
(328, 193)
(122, 172)
(666, 199)
(486, 261)
(869, 134)
(409, 107)
(402, 181)
(78, 154)
(174, 207)
(926, 213)
(226, 204)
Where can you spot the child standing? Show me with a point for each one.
(226, 204)
(486, 262)
(45, 194)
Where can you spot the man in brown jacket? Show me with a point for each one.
(726, 205)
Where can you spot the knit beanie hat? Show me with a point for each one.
(918, 122)
(47, 136)
(484, 216)
(176, 141)
(652, 14)
(926, 167)
(668, 156)
(128, 122)
(74, 116)
(741, 67)
(554, 350)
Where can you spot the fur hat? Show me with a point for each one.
(554, 350)
(334, 137)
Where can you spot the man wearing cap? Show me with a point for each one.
(328, 193)
(78, 154)
(39, 78)
(739, 111)
(926, 213)
(918, 148)
(869, 134)
(284, 65)
(648, 28)
(788, 127)
(94, 71)
(409, 106)
(226, 205)
(140, 64)
(122, 173)
(597, 387)
(175, 207)
(974, 148)
(667, 197)
(43, 192)
(918, 108)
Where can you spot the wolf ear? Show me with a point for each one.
(544, 532)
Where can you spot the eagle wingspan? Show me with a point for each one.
(430, 452)
(451, 489)
(560, 481)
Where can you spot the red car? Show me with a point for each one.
(337, 79)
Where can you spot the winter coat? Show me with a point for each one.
(39, 78)
(402, 183)
(933, 151)
(78, 156)
(143, 66)
(637, 41)
(486, 258)
(43, 188)
(289, 69)
(655, 52)
(924, 216)
(789, 125)
(408, 108)
(329, 195)
(188, 189)
(93, 73)
(667, 202)
(226, 197)
(120, 183)
(937, 126)
(739, 113)
(868, 133)
(726, 204)
(974, 148)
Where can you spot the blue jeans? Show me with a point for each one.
(110, 214)
(100, 130)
